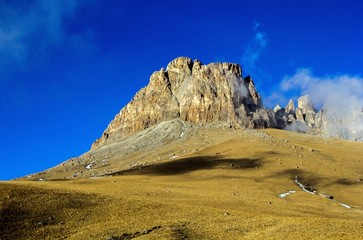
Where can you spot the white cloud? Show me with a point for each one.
(341, 97)
(325, 89)
(29, 28)
(254, 48)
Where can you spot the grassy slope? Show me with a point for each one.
(228, 190)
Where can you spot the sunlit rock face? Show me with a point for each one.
(192, 92)
(197, 93)
(305, 104)
(290, 107)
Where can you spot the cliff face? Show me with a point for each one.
(192, 92)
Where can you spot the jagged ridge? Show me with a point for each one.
(192, 92)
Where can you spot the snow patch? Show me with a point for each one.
(345, 205)
(306, 190)
(282, 195)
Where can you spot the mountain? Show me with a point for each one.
(197, 93)
(194, 181)
(178, 104)
(328, 121)
(192, 92)
(195, 155)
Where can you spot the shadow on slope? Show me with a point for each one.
(348, 182)
(192, 164)
(308, 179)
(35, 213)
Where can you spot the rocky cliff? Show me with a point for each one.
(192, 92)
(302, 119)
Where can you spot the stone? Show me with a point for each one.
(280, 118)
(290, 107)
(291, 118)
(276, 108)
(324, 195)
(300, 115)
(217, 92)
(306, 105)
(195, 93)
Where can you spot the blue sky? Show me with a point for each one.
(67, 67)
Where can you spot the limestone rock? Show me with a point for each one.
(281, 118)
(291, 118)
(192, 92)
(290, 107)
(276, 108)
(300, 115)
(306, 105)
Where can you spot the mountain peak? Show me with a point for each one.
(192, 92)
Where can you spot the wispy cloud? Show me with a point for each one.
(275, 98)
(254, 47)
(29, 28)
(340, 96)
(322, 89)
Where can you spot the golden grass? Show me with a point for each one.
(228, 190)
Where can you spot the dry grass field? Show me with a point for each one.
(228, 189)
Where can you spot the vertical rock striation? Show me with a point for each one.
(192, 92)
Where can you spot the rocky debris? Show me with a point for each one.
(156, 143)
(192, 92)
(324, 195)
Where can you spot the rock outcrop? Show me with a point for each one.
(290, 107)
(192, 92)
(301, 119)
(197, 93)
(306, 118)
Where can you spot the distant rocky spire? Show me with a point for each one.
(276, 108)
(290, 107)
(306, 104)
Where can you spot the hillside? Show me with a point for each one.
(222, 183)
(196, 155)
